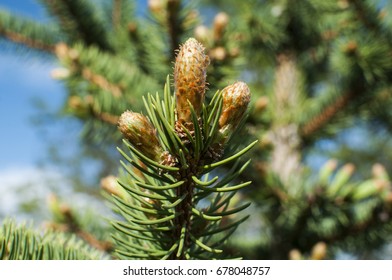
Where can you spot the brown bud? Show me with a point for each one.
(157, 6)
(350, 48)
(234, 52)
(75, 102)
(220, 22)
(319, 251)
(348, 168)
(236, 98)
(60, 73)
(61, 50)
(111, 186)
(295, 254)
(132, 27)
(202, 33)
(379, 172)
(218, 53)
(388, 197)
(137, 129)
(261, 104)
(343, 4)
(190, 72)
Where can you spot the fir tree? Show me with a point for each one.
(316, 68)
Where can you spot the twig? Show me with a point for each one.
(116, 15)
(72, 225)
(101, 81)
(326, 115)
(364, 16)
(175, 28)
(21, 39)
(105, 117)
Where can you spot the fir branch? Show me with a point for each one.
(101, 82)
(26, 32)
(326, 115)
(104, 116)
(139, 43)
(175, 26)
(366, 14)
(80, 21)
(180, 147)
(24, 243)
(72, 225)
(21, 39)
(116, 13)
(356, 229)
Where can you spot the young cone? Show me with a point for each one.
(141, 134)
(236, 98)
(190, 71)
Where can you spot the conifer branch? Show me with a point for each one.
(365, 14)
(175, 27)
(104, 117)
(178, 142)
(357, 229)
(101, 82)
(29, 42)
(26, 32)
(78, 27)
(24, 243)
(326, 115)
(71, 225)
(138, 42)
(116, 14)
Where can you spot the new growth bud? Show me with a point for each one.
(220, 22)
(111, 186)
(190, 78)
(137, 129)
(236, 98)
(319, 251)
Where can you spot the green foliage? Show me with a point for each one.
(24, 243)
(27, 32)
(317, 68)
(177, 212)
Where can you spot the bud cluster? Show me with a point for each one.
(190, 72)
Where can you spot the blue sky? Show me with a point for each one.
(23, 78)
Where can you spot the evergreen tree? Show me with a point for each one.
(316, 69)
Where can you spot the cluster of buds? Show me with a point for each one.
(190, 73)
(213, 38)
(64, 52)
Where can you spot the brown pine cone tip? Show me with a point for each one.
(236, 98)
(190, 72)
(137, 129)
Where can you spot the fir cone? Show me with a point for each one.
(236, 98)
(190, 79)
(141, 134)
